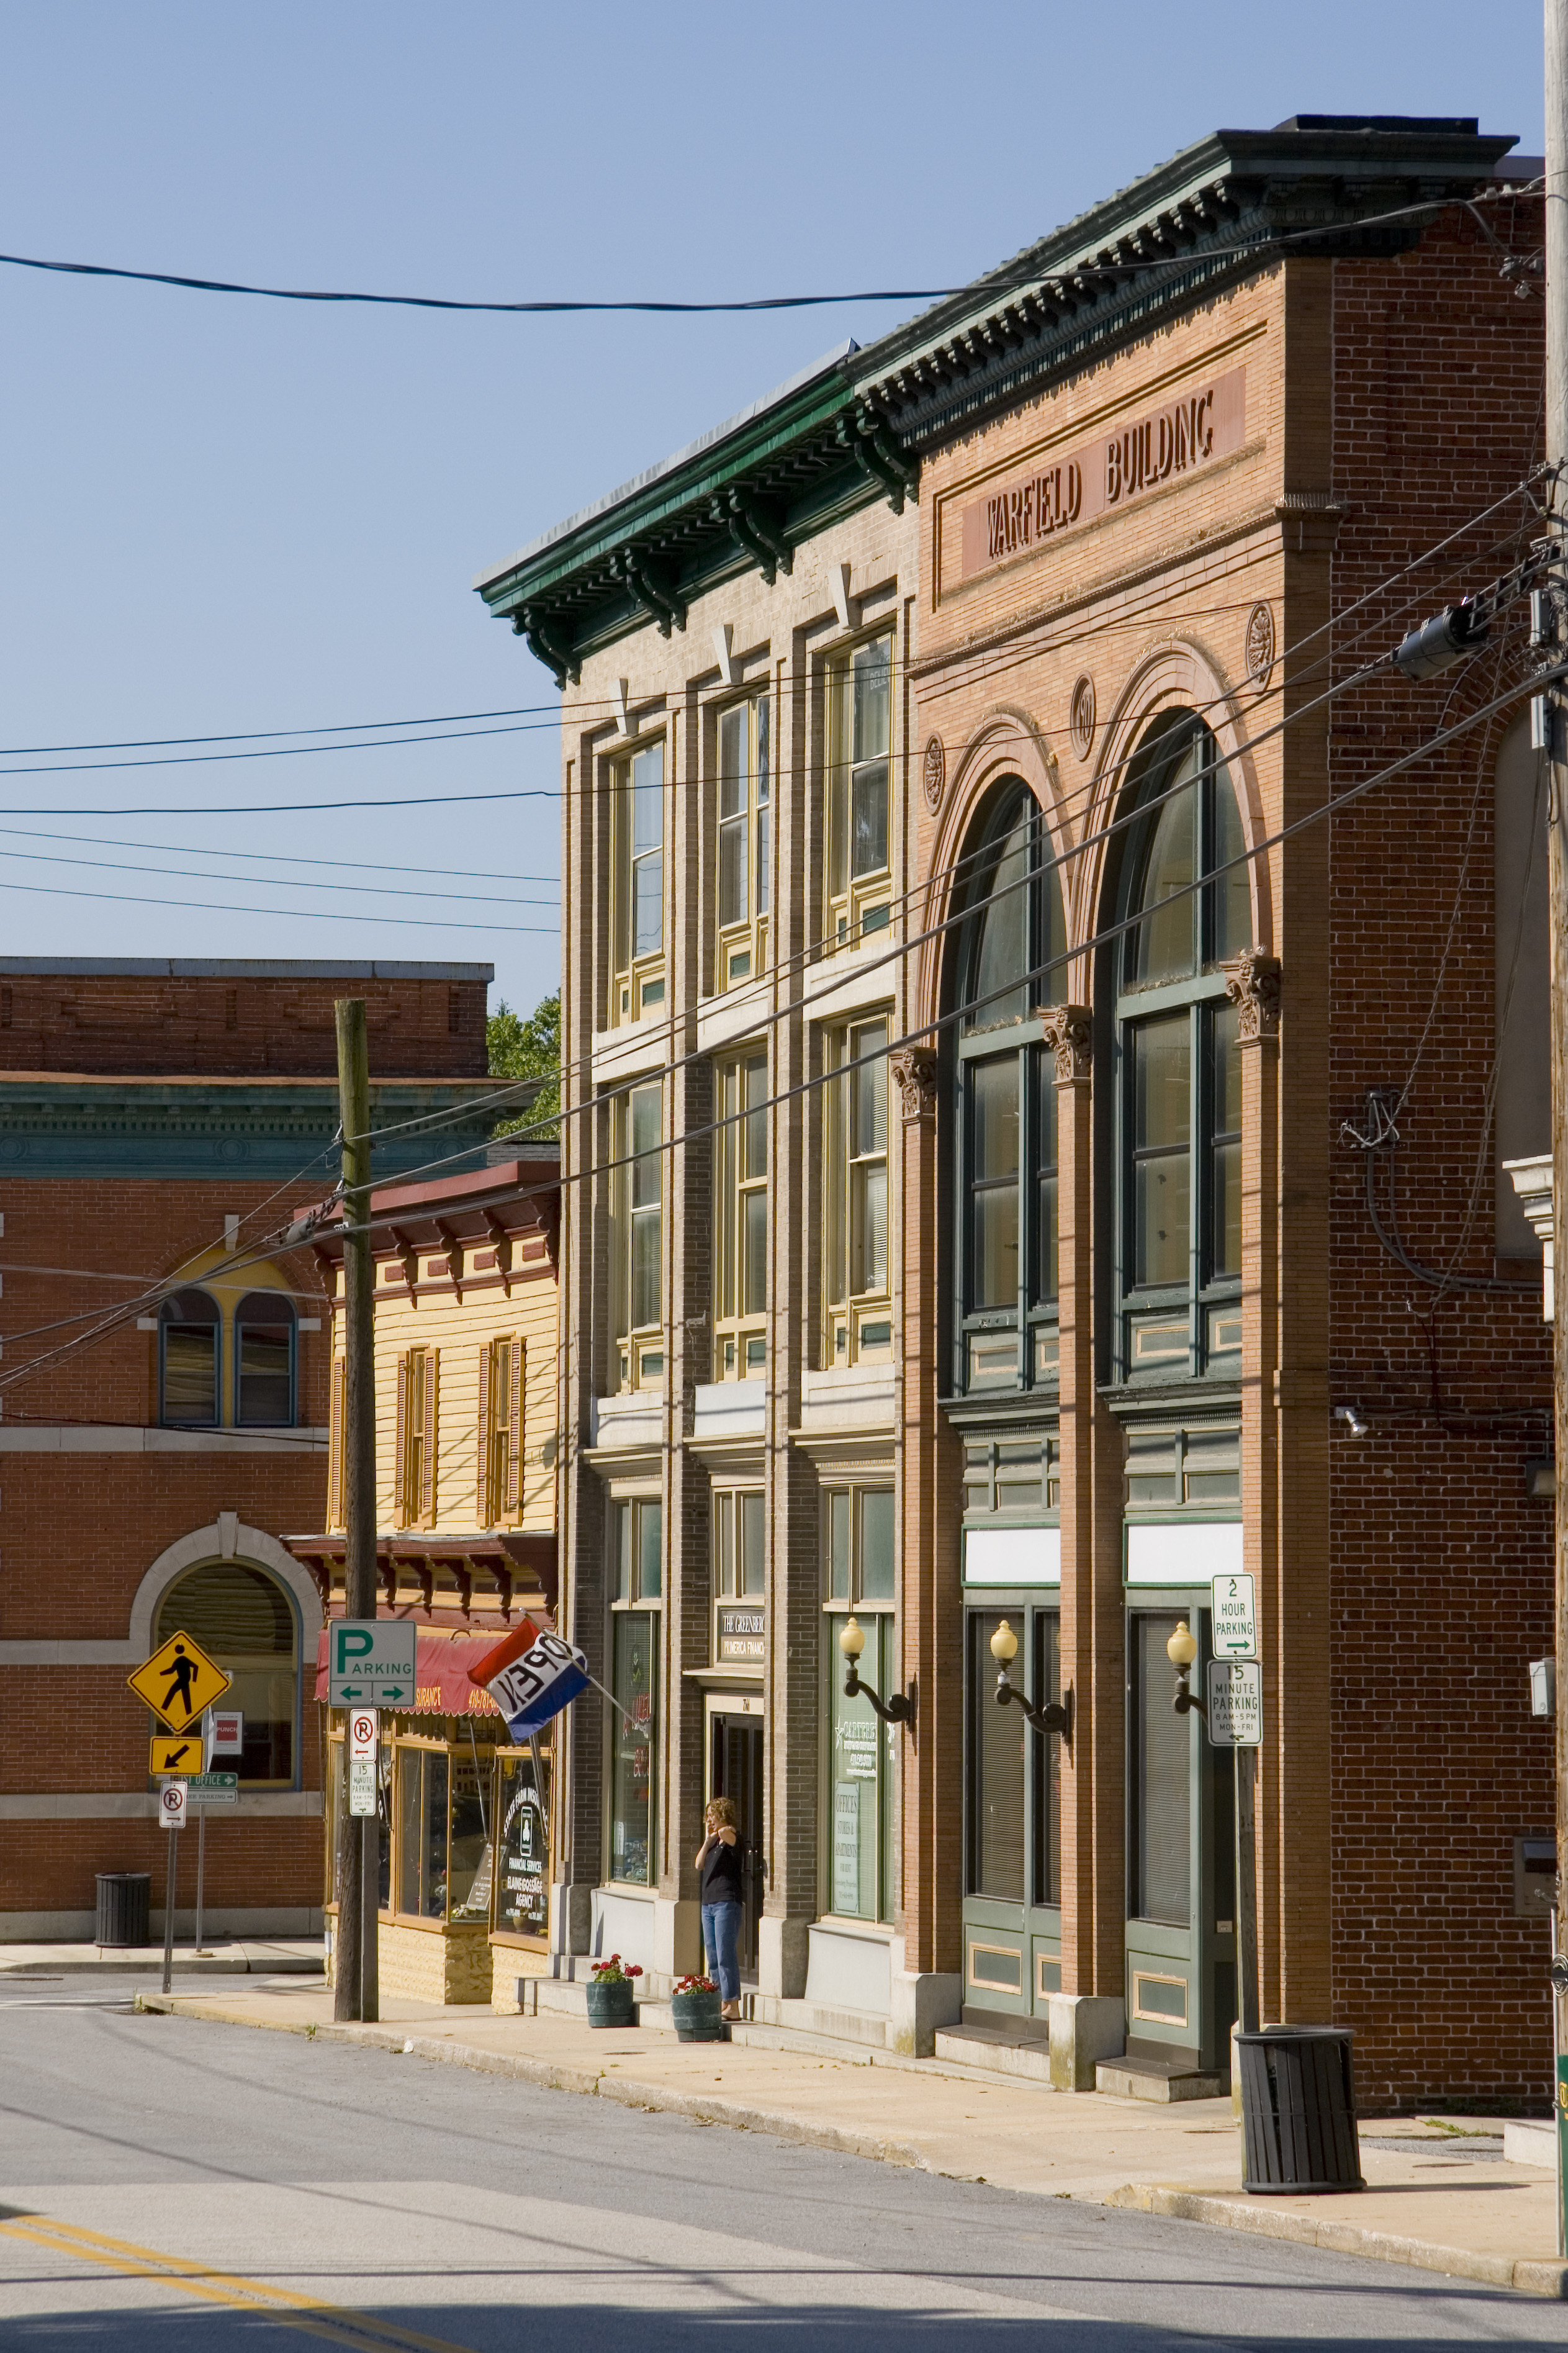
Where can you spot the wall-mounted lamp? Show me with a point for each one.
(1181, 1649)
(900, 1708)
(1353, 1420)
(1056, 1713)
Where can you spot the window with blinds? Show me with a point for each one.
(498, 1452)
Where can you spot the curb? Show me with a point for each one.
(624, 2090)
(1524, 2276)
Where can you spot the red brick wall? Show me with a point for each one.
(1441, 1567)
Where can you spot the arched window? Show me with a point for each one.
(264, 1330)
(1011, 957)
(1179, 1096)
(244, 1620)
(188, 1328)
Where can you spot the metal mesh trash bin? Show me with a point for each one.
(124, 1907)
(1298, 2110)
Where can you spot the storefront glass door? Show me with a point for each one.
(1012, 1910)
(735, 1771)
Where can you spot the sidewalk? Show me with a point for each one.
(248, 1956)
(1483, 2220)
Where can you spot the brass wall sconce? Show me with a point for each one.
(900, 1708)
(1056, 1713)
(1181, 1649)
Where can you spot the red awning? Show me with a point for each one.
(440, 1674)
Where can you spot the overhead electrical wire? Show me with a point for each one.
(272, 881)
(994, 282)
(287, 914)
(276, 858)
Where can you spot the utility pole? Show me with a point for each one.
(1556, 241)
(357, 1990)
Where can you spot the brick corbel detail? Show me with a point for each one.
(915, 1076)
(1068, 1031)
(1252, 983)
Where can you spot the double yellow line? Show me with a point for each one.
(358, 2331)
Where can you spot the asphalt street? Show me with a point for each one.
(166, 2184)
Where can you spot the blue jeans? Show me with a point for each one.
(721, 1936)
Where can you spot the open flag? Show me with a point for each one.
(531, 1676)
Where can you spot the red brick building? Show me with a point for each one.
(164, 1389)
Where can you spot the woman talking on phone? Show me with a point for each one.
(718, 1859)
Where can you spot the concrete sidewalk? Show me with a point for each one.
(1440, 2195)
(240, 1956)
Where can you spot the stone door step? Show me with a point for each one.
(1027, 2058)
(1158, 2079)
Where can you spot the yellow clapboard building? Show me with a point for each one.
(465, 1348)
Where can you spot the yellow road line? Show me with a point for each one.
(339, 2324)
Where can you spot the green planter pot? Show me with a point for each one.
(610, 2004)
(695, 2017)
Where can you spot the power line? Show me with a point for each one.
(285, 914)
(274, 857)
(992, 283)
(277, 882)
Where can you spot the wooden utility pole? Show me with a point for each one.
(1556, 241)
(357, 1990)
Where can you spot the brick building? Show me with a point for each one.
(163, 1389)
(1197, 1259)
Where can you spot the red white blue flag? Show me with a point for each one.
(531, 1676)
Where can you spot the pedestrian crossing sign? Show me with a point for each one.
(176, 1752)
(179, 1682)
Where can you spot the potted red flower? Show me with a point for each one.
(695, 2008)
(612, 1991)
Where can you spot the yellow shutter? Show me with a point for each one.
(335, 1442)
(482, 1451)
(427, 1455)
(514, 1349)
(400, 1498)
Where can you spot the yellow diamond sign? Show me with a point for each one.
(178, 1682)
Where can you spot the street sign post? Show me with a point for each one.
(172, 1814)
(172, 1805)
(1236, 1703)
(171, 1753)
(1235, 1617)
(370, 1662)
(179, 1682)
(362, 1731)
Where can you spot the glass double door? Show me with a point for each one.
(1181, 1852)
(1012, 1905)
(735, 1771)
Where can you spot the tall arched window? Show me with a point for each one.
(1011, 959)
(264, 1332)
(243, 1618)
(188, 1329)
(1179, 1092)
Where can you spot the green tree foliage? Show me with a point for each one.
(528, 1047)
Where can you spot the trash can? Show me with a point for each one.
(1298, 2110)
(124, 1907)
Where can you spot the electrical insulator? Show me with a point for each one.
(1542, 618)
(1455, 632)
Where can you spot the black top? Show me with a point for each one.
(721, 1873)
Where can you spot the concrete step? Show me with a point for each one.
(1158, 2079)
(1529, 2143)
(1028, 2061)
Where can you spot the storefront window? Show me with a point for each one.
(859, 1571)
(471, 1857)
(522, 1903)
(422, 1785)
(243, 1618)
(634, 1739)
(1015, 1772)
(1162, 1745)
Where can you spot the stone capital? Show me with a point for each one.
(1252, 983)
(1068, 1031)
(915, 1073)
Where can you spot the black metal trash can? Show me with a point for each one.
(124, 1907)
(1298, 2110)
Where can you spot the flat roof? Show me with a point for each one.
(240, 968)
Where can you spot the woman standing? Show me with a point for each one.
(719, 1862)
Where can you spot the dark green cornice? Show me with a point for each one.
(74, 1126)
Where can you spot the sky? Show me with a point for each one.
(222, 516)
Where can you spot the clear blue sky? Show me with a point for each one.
(219, 515)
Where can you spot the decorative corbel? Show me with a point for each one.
(387, 1572)
(650, 588)
(1068, 1031)
(871, 445)
(538, 631)
(755, 528)
(503, 1240)
(452, 1245)
(915, 1076)
(503, 1587)
(407, 1257)
(1253, 984)
(426, 1577)
(463, 1577)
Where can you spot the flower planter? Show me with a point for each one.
(695, 2017)
(610, 2004)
